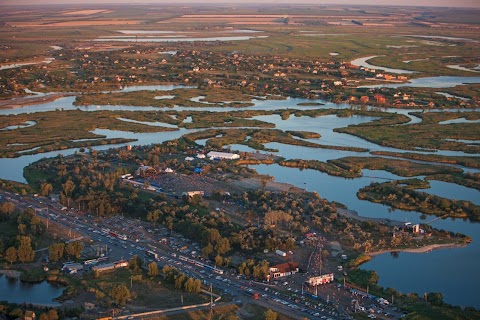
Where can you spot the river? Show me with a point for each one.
(408, 272)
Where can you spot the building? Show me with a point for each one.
(146, 170)
(222, 155)
(190, 194)
(283, 270)
(316, 281)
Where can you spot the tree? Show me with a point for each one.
(46, 189)
(135, 264)
(74, 249)
(223, 246)
(207, 250)
(68, 188)
(120, 294)
(25, 251)
(21, 228)
(270, 315)
(153, 216)
(6, 209)
(52, 314)
(153, 269)
(55, 251)
(43, 316)
(11, 255)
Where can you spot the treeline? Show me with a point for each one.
(181, 281)
(329, 168)
(21, 233)
(397, 195)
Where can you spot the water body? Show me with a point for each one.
(416, 272)
(409, 272)
(362, 62)
(172, 39)
(154, 124)
(17, 65)
(459, 120)
(25, 124)
(430, 82)
(448, 95)
(441, 38)
(15, 291)
(458, 67)
(163, 97)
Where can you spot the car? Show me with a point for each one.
(372, 316)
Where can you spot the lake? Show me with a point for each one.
(16, 291)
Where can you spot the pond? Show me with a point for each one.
(16, 291)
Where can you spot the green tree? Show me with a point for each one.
(270, 315)
(120, 294)
(25, 251)
(153, 269)
(11, 255)
(135, 264)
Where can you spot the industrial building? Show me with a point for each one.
(222, 155)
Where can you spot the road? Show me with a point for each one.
(156, 244)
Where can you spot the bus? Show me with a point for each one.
(152, 254)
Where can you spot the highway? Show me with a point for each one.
(142, 238)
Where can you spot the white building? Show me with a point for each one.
(222, 155)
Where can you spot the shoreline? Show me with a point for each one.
(424, 249)
(11, 273)
(26, 101)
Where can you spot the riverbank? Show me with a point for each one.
(424, 249)
(11, 273)
(26, 101)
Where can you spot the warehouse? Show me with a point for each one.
(222, 155)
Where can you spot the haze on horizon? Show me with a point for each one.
(420, 3)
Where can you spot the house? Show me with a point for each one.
(364, 99)
(283, 270)
(380, 98)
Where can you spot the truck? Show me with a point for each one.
(280, 253)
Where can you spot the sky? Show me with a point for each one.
(430, 3)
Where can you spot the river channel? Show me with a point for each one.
(450, 271)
